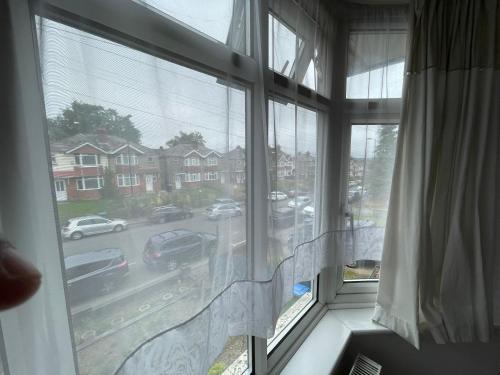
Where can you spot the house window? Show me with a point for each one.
(193, 177)
(87, 160)
(53, 159)
(188, 162)
(126, 159)
(90, 183)
(212, 161)
(210, 176)
(123, 180)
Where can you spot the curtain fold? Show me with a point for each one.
(440, 243)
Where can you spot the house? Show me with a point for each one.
(79, 163)
(235, 165)
(185, 166)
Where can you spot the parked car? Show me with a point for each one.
(167, 213)
(308, 211)
(80, 227)
(283, 217)
(219, 211)
(299, 202)
(226, 201)
(169, 249)
(93, 272)
(277, 196)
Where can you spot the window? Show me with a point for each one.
(193, 177)
(85, 160)
(60, 185)
(212, 161)
(373, 149)
(292, 145)
(126, 159)
(210, 176)
(147, 294)
(127, 180)
(188, 162)
(282, 47)
(90, 183)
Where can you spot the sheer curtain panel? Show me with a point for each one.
(440, 261)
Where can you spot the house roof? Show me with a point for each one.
(184, 150)
(107, 144)
(236, 153)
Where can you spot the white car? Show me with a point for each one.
(278, 196)
(308, 211)
(299, 202)
(218, 211)
(79, 227)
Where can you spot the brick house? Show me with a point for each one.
(79, 163)
(184, 166)
(234, 166)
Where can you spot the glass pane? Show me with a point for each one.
(375, 65)
(222, 20)
(282, 47)
(292, 144)
(167, 249)
(373, 149)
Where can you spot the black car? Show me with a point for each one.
(168, 213)
(94, 272)
(169, 249)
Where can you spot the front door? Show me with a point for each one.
(61, 193)
(149, 183)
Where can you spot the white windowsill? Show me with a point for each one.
(333, 332)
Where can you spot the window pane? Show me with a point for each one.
(222, 20)
(373, 149)
(292, 146)
(161, 266)
(282, 47)
(375, 65)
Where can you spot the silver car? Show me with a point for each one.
(218, 211)
(79, 227)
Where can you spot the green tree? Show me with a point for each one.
(109, 190)
(194, 139)
(90, 119)
(380, 168)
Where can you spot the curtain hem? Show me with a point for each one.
(406, 330)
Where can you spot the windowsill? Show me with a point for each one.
(333, 331)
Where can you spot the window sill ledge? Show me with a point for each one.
(333, 331)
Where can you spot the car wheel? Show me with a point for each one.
(118, 228)
(172, 265)
(77, 236)
(163, 220)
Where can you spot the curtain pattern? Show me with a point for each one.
(439, 256)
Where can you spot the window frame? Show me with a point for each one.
(80, 158)
(100, 183)
(144, 30)
(129, 176)
(120, 159)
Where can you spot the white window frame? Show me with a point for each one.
(127, 159)
(80, 160)
(140, 28)
(127, 180)
(212, 161)
(191, 161)
(211, 176)
(100, 183)
(193, 177)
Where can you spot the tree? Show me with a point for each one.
(90, 119)
(109, 190)
(194, 139)
(380, 168)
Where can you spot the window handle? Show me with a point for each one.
(18, 277)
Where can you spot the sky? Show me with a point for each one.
(165, 98)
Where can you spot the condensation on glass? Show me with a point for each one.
(373, 149)
(149, 175)
(293, 158)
